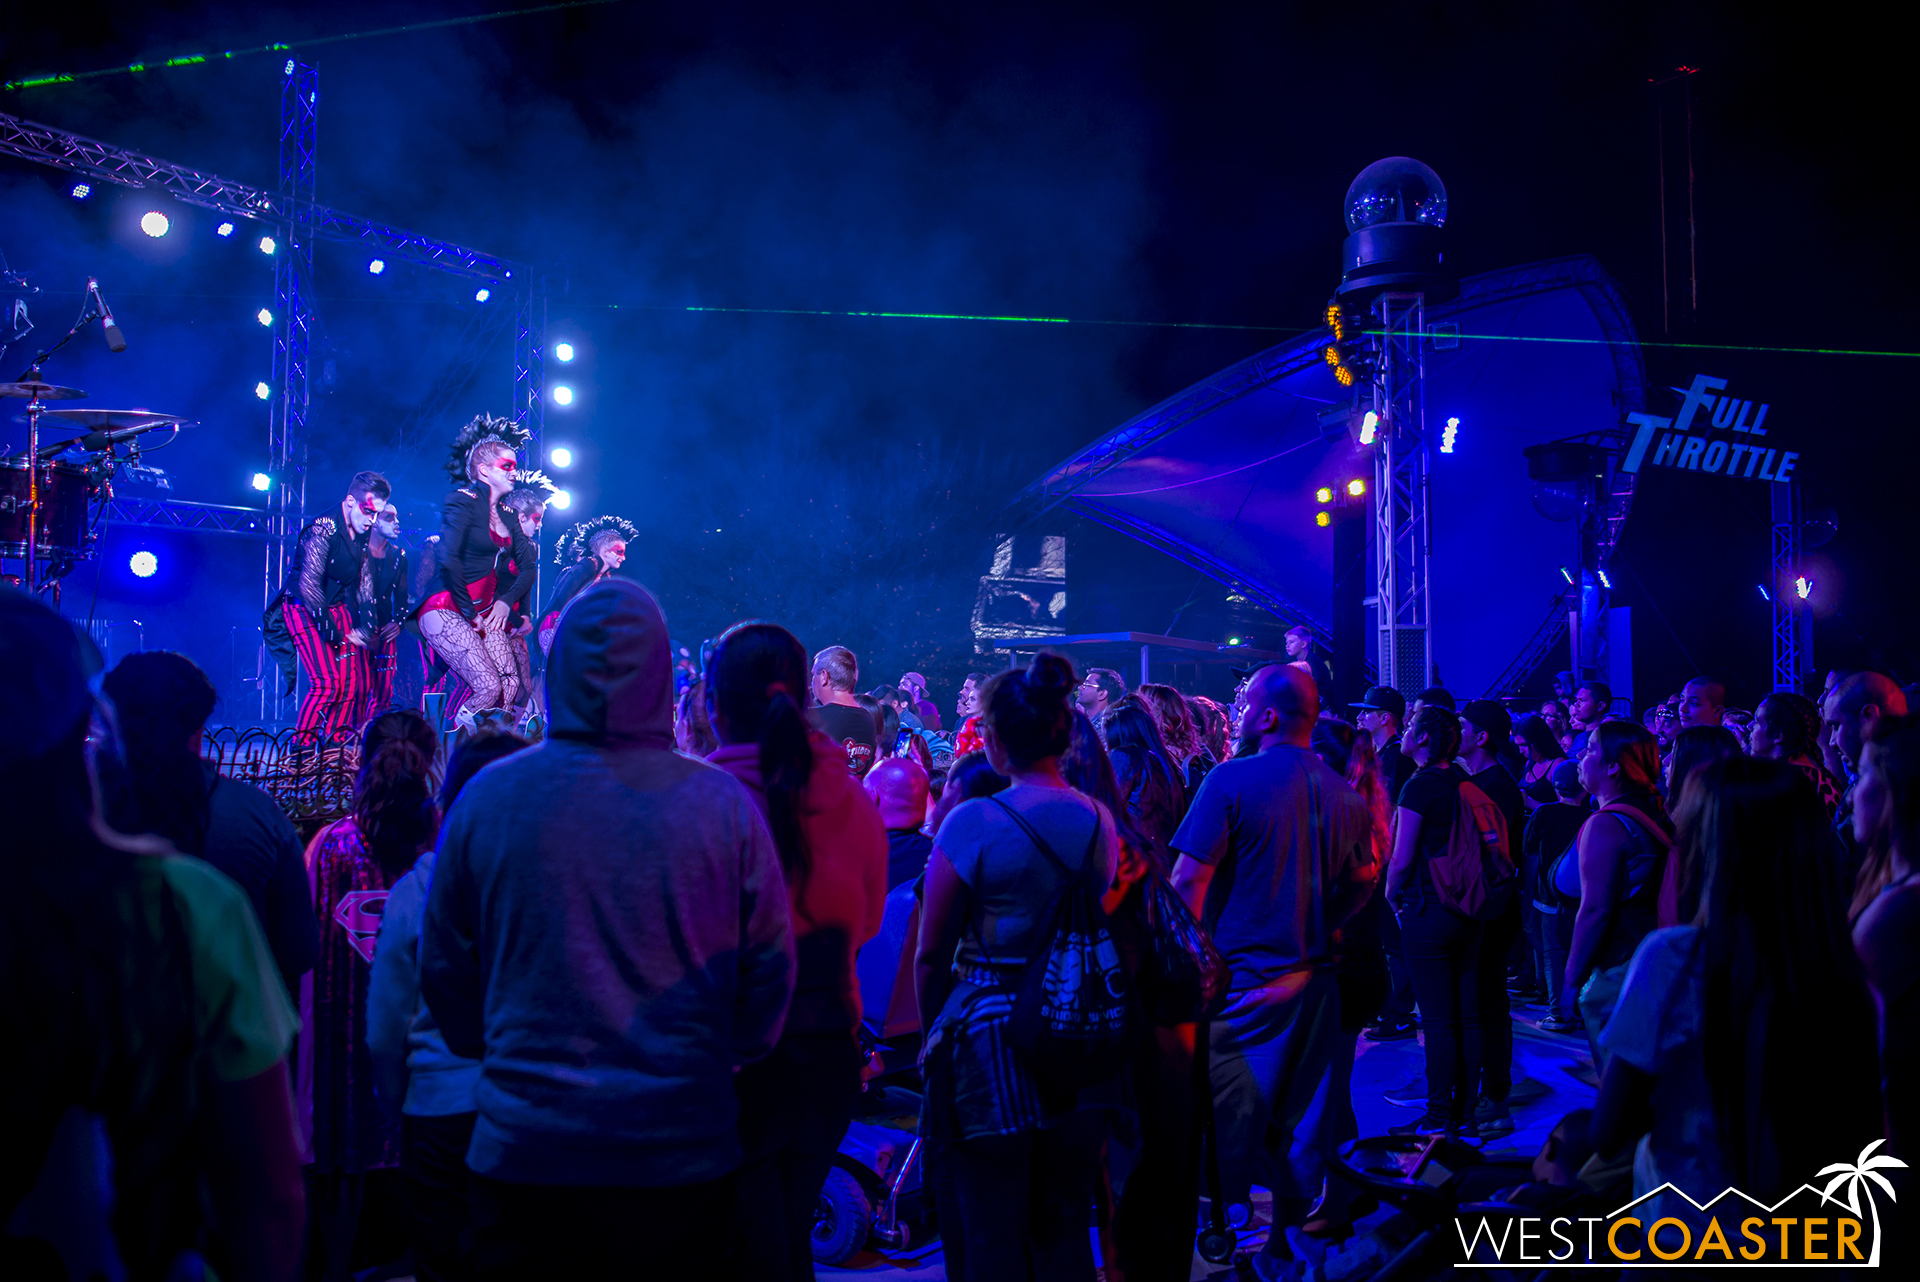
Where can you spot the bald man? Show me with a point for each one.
(1703, 702)
(898, 787)
(1292, 843)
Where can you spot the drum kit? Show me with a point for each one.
(44, 504)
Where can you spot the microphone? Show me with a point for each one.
(116, 341)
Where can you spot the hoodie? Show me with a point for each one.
(607, 930)
(838, 903)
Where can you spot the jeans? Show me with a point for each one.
(1443, 952)
(433, 1160)
(524, 1231)
(1400, 995)
(1271, 1063)
(1555, 935)
(794, 1108)
(1496, 1006)
(1025, 1201)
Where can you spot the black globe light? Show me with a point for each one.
(1395, 210)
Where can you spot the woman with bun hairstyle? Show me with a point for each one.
(589, 552)
(795, 1104)
(465, 619)
(351, 865)
(1022, 1161)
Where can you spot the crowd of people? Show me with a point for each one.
(595, 998)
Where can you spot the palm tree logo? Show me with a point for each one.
(1866, 1167)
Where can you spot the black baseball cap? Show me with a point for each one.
(1384, 699)
(1438, 697)
(1491, 717)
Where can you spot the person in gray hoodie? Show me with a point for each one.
(608, 934)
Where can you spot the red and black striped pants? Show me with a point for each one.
(337, 674)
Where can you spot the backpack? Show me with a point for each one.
(1474, 875)
(1074, 1014)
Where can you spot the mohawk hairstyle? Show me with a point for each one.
(531, 492)
(572, 547)
(480, 431)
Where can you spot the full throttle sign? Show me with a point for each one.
(1691, 440)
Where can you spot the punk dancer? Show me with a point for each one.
(528, 502)
(465, 621)
(388, 588)
(327, 606)
(590, 551)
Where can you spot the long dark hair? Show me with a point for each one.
(1787, 1018)
(393, 795)
(757, 673)
(1140, 758)
(1350, 755)
(159, 700)
(1698, 746)
(1541, 743)
(1087, 768)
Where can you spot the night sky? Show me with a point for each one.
(1177, 163)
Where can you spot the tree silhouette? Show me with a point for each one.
(1855, 1176)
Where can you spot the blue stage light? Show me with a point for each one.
(266, 245)
(262, 482)
(265, 318)
(224, 229)
(81, 191)
(482, 294)
(143, 564)
(563, 395)
(262, 391)
(1368, 427)
(1605, 582)
(1764, 594)
(377, 266)
(562, 499)
(288, 69)
(561, 456)
(155, 223)
(1448, 435)
(1566, 574)
(563, 351)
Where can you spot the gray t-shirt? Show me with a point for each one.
(1013, 887)
(1283, 833)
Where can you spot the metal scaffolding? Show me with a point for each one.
(287, 419)
(1792, 624)
(1402, 534)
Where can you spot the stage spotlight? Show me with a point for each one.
(1449, 435)
(1369, 426)
(143, 564)
(1323, 519)
(266, 245)
(262, 482)
(563, 395)
(482, 294)
(1764, 594)
(1566, 574)
(1605, 582)
(155, 223)
(562, 499)
(224, 229)
(81, 191)
(1323, 495)
(262, 391)
(1233, 640)
(1802, 587)
(561, 456)
(265, 318)
(377, 266)
(563, 351)
(1356, 487)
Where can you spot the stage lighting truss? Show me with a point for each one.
(1349, 498)
(1350, 354)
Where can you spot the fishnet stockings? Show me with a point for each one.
(485, 663)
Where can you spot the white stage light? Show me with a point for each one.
(563, 351)
(377, 266)
(561, 456)
(262, 482)
(266, 245)
(262, 391)
(155, 223)
(143, 564)
(265, 318)
(562, 499)
(563, 395)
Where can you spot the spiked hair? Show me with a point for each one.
(531, 492)
(575, 543)
(484, 429)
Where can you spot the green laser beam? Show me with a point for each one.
(193, 59)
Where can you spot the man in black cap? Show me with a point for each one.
(1381, 711)
(1433, 697)
(1485, 728)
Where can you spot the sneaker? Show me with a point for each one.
(1492, 1118)
(1558, 1023)
(1428, 1123)
(1412, 1095)
(1391, 1030)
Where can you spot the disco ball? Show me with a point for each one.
(1398, 189)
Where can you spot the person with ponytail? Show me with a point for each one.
(795, 1104)
(1021, 1161)
(158, 784)
(351, 865)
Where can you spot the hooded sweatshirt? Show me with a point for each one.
(607, 931)
(838, 901)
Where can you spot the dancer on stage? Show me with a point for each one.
(388, 586)
(591, 551)
(464, 620)
(528, 500)
(327, 606)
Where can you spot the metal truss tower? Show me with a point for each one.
(293, 315)
(1792, 624)
(529, 364)
(1402, 533)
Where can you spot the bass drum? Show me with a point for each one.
(64, 493)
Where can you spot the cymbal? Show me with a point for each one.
(40, 391)
(104, 418)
